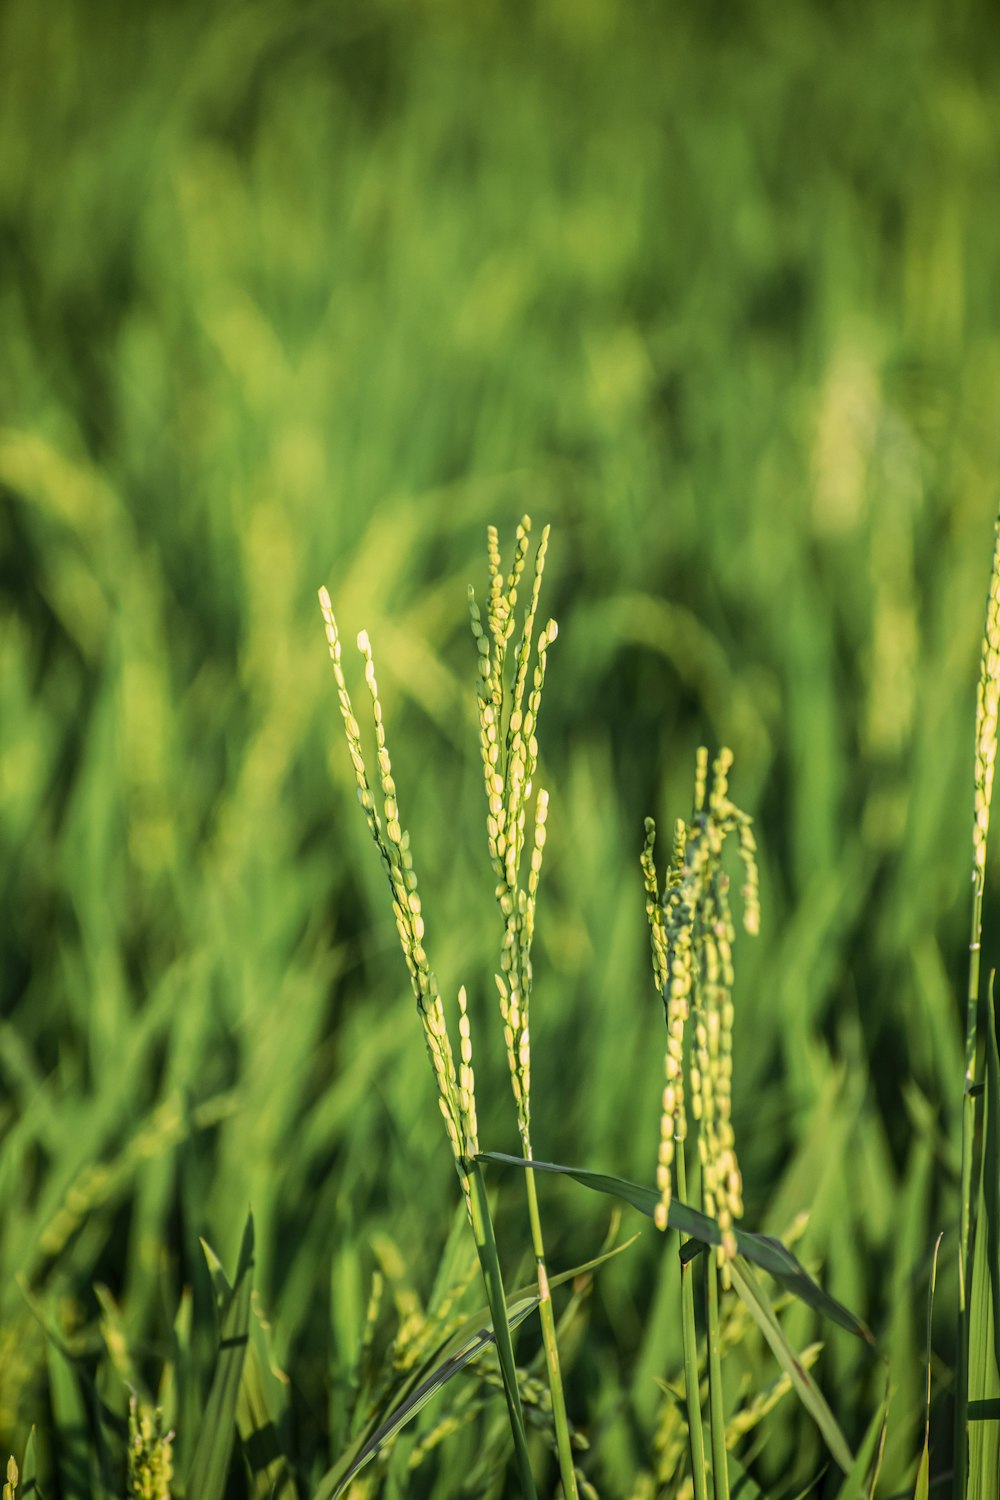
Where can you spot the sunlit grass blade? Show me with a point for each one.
(984, 1299)
(751, 1294)
(761, 1250)
(210, 1464)
(923, 1481)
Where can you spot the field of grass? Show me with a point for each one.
(295, 294)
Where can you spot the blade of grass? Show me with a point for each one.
(482, 1227)
(560, 1421)
(262, 1417)
(985, 757)
(29, 1481)
(760, 1249)
(923, 1482)
(210, 1463)
(716, 1405)
(689, 1336)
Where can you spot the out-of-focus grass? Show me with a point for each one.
(292, 294)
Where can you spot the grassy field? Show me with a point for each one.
(296, 294)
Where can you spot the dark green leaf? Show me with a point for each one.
(760, 1249)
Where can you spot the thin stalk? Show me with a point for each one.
(692, 1387)
(717, 1411)
(560, 1422)
(965, 1230)
(486, 1245)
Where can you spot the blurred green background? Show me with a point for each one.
(295, 294)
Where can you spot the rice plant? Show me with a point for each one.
(977, 1417)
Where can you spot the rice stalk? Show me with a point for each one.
(691, 941)
(509, 747)
(987, 704)
(456, 1086)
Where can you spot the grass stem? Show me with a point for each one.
(716, 1406)
(965, 1222)
(689, 1332)
(560, 1422)
(486, 1245)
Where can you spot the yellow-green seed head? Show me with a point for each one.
(987, 701)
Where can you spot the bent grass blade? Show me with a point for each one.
(760, 1249)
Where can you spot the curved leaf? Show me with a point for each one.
(760, 1249)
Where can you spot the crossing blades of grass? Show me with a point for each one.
(761, 1250)
(340, 1476)
(473, 1336)
(210, 1464)
(750, 1293)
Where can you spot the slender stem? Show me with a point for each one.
(965, 1230)
(486, 1245)
(696, 1437)
(560, 1422)
(717, 1411)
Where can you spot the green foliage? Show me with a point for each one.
(292, 294)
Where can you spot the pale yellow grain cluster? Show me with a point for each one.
(456, 1088)
(987, 702)
(508, 719)
(691, 936)
(13, 1478)
(150, 1453)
